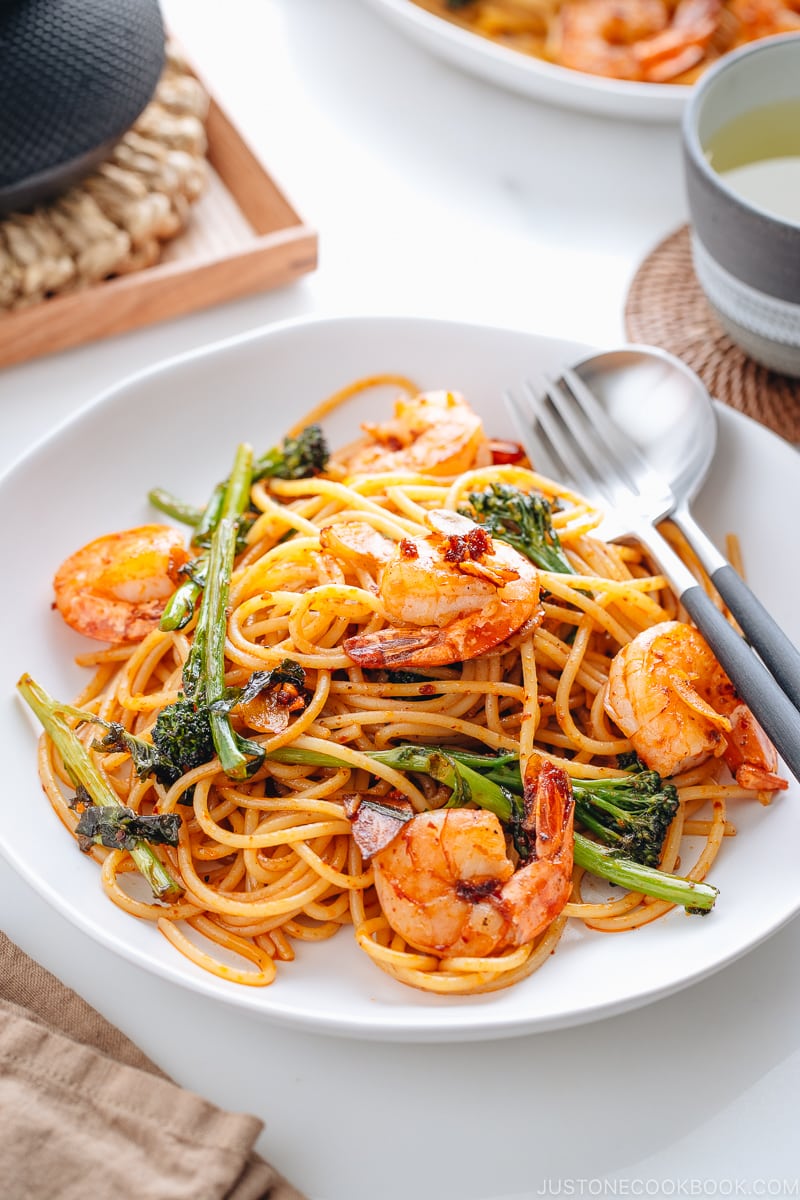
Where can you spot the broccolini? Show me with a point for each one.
(182, 734)
(112, 823)
(631, 813)
(522, 520)
(296, 458)
(493, 782)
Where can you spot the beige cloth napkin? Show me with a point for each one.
(83, 1113)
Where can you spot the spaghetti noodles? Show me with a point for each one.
(268, 862)
(650, 41)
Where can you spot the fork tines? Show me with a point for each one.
(585, 447)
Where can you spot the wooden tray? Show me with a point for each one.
(243, 236)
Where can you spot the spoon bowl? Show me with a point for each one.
(663, 407)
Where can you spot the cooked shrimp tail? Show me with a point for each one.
(540, 889)
(399, 648)
(548, 808)
(750, 755)
(671, 698)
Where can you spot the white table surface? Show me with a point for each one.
(436, 194)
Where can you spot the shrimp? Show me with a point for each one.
(669, 695)
(447, 886)
(436, 433)
(635, 39)
(764, 18)
(114, 589)
(449, 597)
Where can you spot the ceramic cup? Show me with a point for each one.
(746, 258)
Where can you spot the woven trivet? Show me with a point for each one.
(666, 307)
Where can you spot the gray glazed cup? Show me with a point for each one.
(747, 260)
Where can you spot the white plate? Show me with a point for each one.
(176, 426)
(532, 76)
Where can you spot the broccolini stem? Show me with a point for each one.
(212, 513)
(179, 510)
(466, 785)
(202, 520)
(179, 609)
(499, 799)
(236, 492)
(215, 602)
(608, 864)
(296, 757)
(204, 669)
(82, 771)
(445, 766)
(215, 594)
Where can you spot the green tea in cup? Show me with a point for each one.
(758, 156)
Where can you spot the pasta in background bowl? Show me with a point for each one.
(594, 55)
(331, 987)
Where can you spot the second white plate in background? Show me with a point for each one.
(533, 76)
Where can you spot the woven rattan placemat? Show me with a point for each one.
(666, 307)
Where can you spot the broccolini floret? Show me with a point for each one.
(182, 735)
(523, 520)
(296, 457)
(181, 741)
(632, 814)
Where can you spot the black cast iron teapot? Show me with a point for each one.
(74, 76)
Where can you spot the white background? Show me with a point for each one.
(436, 194)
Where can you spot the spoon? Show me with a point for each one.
(663, 406)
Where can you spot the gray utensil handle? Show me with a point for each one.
(776, 714)
(760, 629)
(780, 655)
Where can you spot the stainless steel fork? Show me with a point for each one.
(588, 451)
